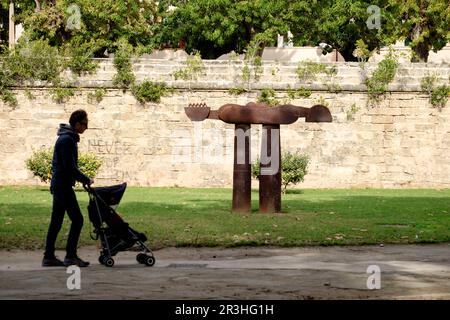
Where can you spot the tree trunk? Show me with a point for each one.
(38, 5)
(421, 52)
(347, 53)
(421, 49)
(12, 37)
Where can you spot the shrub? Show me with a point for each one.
(237, 91)
(309, 70)
(301, 92)
(148, 91)
(385, 73)
(362, 51)
(97, 95)
(61, 94)
(124, 77)
(40, 163)
(29, 61)
(293, 168)
(78, 56)
(439, 96)
(194, 68)
(268, 96)
(89, 164)
(428, 83)
(34, 60)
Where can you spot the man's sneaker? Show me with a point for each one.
(75, 261)
(52, 262)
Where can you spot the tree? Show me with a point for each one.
(425, 23)
(341, 23)
(215, 27)
(93, 25)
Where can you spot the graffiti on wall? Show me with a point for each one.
(114, 154)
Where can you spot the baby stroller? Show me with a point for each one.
(114, 233)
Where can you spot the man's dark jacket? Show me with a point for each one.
(65, 159)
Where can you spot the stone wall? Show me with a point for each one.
(402, 142)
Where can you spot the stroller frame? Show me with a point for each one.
(101, 232)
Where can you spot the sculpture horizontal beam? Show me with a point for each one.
(259, 113)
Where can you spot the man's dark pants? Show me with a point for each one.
(64, 199)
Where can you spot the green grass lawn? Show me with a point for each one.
(202, 217)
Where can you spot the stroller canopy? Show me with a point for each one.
(111, 195)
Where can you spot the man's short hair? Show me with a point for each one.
(77, 116)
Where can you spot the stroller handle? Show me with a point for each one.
(87, 187)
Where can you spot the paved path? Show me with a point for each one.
(407, 272)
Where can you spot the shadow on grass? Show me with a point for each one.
(371, 205)
(340, 204)
(389, 216)
(295, 191)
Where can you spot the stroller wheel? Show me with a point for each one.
(109, 262)
(141, 257)
(149, 261)
(100, 259)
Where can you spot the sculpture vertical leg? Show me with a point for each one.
(242, 169)
(270, 176)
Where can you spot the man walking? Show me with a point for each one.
(64, 174)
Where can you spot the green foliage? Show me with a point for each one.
(9, 98)
(97, 95)
(89, 164)
(237, 91)
(40, 163)
(340, 23)
(148, 91)
(6, 82)
(298, 93)
(378, 83)
(28, 62)
(61, 94)
(194, 68)
(425, 24)
(124, 77)
(33, 60)
(309, 70)
(29, 94)
(362, 51)
(253, 69)
(91, 26)
(428, 83)
(439, 96)
(215, 27)
(322, 102)
(351, 112)
(268, 96)
(78, 57)
(293, 168)
(333, 87)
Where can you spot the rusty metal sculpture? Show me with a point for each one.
(270, 118)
